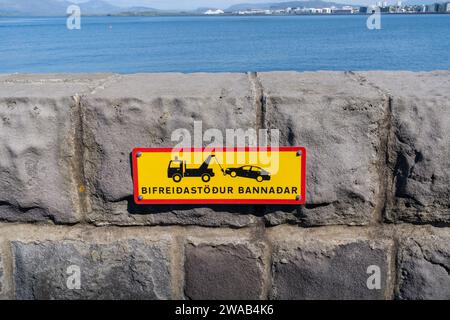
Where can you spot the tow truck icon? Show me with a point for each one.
(178, 170)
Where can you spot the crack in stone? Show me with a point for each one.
(443, 266)
(435, 263)
(101, 84)
(312, 206)
(385, 131)
(20, 208)
(44, 214)
(385, 174)
(259, 101)
(78, 163)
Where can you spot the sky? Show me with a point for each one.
(193, 4)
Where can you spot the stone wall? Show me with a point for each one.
(377, 187)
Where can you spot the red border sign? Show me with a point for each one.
(301, 201)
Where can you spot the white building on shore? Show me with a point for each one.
(214, 12)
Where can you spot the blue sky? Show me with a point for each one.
(192, 4)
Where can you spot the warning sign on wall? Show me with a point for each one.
(219, 176)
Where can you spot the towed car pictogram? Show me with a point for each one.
(251, 172)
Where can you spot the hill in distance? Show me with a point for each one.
(58, 8)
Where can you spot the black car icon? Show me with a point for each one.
(251, 172)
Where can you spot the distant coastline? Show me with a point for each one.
(265, 15)
(225, 15)
(100, 8)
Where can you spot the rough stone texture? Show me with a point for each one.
(324, 267)
(419, 145)
(424, 268)
(283, 262)
(378, 142)
(36, 154)
(37, 146)
(143, 111)
(227, 270)
(50, 85)
(132, 269)
(339, 121)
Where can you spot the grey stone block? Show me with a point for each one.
(224, 270)
(37, 155)
(342, 118)
(328, 269)
(339, 121)
(424, 268)
(39, 158)
(418, 145)
(131, 269)
(46, 86)
(143, 111)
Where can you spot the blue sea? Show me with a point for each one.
(224, 44)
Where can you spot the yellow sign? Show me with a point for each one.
(219, 176)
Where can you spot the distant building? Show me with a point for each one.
(443, 7)
(399, 7)
(422, 8)
(255, 12)
(381, 7)
(343, 10)
(433, 8)
(363, 9)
